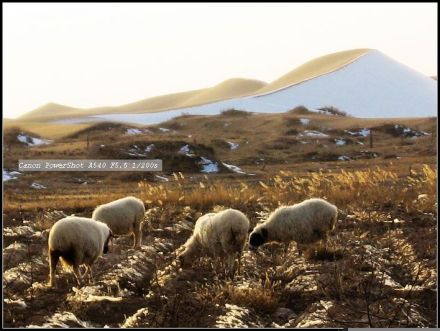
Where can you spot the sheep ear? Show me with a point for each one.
(264, 233)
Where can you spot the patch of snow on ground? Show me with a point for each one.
(37, 186)
(186, 150)
(133, 131)
(135, 151)
(314, 134)
(344, 158)
(149, 148)
(162, 178)
(304, 121)
(208, 166)
(32, 141)
(164, 129)
(408, 132)
(233, 145)
(361, 133)
(8, 175)
(234, 168)
(340, 142)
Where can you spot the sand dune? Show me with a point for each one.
(314, 68)
(362, 82)
(230, 88)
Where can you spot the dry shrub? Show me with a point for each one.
(260, 297)
(323, 254)
(235, 112)
(300, 110)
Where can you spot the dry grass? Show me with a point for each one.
(378, 269)
(367, 190)
(260, 297)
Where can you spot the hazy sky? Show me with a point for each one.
(88, 55)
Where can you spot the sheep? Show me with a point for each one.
(221, 234)
(77, 241)
(123, 216)
(305, 223)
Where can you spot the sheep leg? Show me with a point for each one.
(324, 242)
(85, 271)
(239, 262)
(77, 274)
(91, 280)
(54, 257)
(137, 232)
(224, 264)
(230, 265)
(88, 271)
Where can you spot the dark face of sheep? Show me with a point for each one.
(106, 244)
(184, 260)
(258, 238)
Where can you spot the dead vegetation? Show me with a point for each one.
(378, 270)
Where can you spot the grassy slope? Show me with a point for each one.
(47, 130)
(273, 137)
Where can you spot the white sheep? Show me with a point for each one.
(221, 234)
(77, 241)
(305, 223)
(123, 216)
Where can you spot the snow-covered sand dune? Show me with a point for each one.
(373, 85)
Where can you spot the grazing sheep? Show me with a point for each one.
(77, 240)
(221, 234)
(305, 223)
(123, 216)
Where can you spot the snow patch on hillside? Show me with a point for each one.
(32, 141)
(233, 145)
(133, 131)
(208, 166)
(313, 134)
(9, 175)
(234, 168)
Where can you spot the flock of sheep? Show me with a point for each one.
(80, 241)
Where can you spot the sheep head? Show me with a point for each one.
(258, 237)
(107, 241)
(185, 258)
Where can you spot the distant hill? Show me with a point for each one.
(314, 68)
(361, 82)
(230, 88)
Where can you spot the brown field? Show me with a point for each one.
(379, 269)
